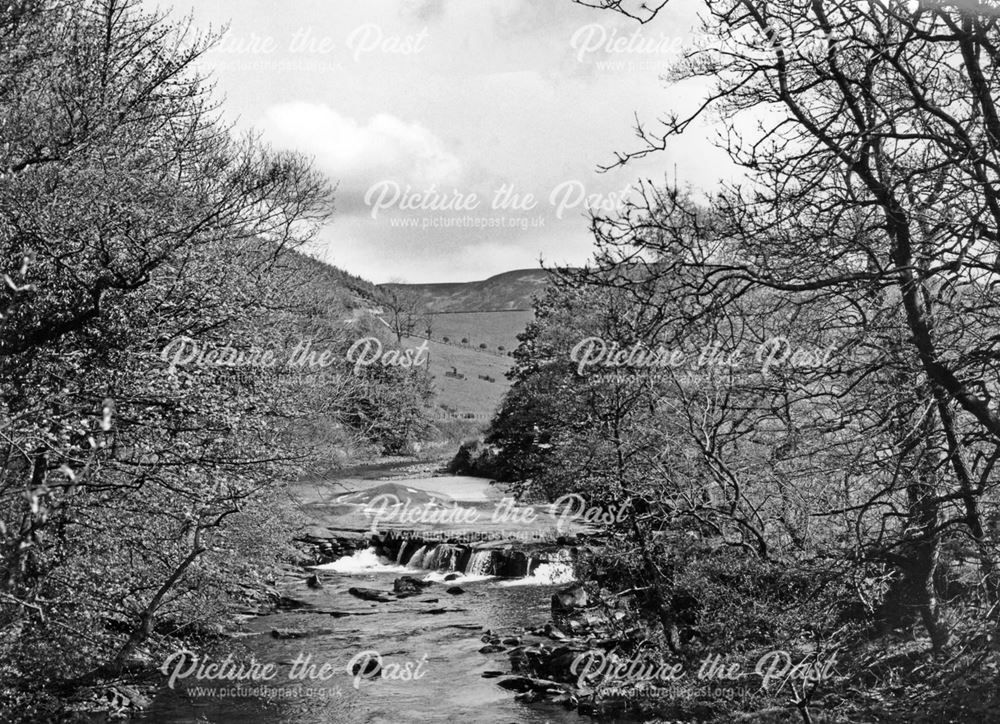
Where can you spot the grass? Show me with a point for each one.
(471, 395)
(494, 329)
(458, 368)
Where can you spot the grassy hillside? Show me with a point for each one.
(497, 330)
(467, 396)
(473, 329)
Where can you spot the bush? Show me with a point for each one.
(474, 458)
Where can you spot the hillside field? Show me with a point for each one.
(494, 329)
(470, 396)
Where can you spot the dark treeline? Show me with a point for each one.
(140, 499)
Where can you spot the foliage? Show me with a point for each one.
(140, 498)
(873, 469)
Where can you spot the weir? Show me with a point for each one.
(507, 561)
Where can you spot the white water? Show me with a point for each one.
(417, 561)
(439, 576)
(547, 574)
(556, 572)
(362, 561)
(479, 564)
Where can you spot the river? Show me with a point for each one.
(429, 644)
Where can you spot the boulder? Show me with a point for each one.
(455, 590)
(409, 586)
(313, 581)
(525, 684)
(516, 683)
(439, 611)
(288, 633)
(370, 594)
(553, 633)
(569, 599)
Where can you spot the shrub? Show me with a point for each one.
(474, 458)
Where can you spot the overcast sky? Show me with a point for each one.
(446, 103)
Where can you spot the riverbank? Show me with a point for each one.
(380, 627)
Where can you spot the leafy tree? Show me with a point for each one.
(138, 493)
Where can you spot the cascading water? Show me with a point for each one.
(452, 558)
(430, 561)
(480, 563)
(557, 569)
(418, 558)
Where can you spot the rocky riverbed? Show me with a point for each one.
(398, 625)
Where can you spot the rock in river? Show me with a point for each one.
(409, 586)
(370, 594)
(288, 633)
(568, 599)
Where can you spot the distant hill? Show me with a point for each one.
(511, 290)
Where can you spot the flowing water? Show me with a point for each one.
(429, 644)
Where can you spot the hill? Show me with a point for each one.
(511, 290)
(471, 329)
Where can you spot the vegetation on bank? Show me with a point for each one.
(844, 497)
(139, 490)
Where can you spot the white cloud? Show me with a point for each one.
(360, 154)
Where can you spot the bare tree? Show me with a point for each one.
(871, 194)
(405, 313)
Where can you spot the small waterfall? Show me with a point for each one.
(432, 558)
(418, 558)
(402, 552)
(364, 560)
(480, 563)
(451, 558)
(556, 568)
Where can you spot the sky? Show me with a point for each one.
(464, 136)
